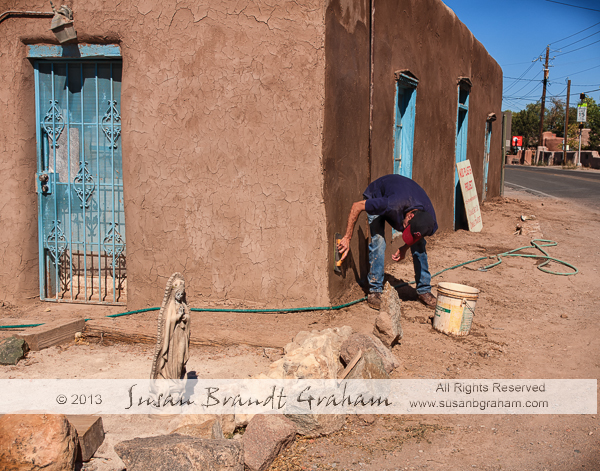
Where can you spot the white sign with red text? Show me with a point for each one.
(467, 185)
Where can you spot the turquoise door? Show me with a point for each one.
(404, 125)
(81, 226)
(462, 126)
(486, 158)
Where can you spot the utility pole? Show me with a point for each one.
(543, 110)
(581, 126)
(566, 123)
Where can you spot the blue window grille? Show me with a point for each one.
(81, 222)
(462, 125)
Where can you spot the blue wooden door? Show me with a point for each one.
(486, 158)
(404, 125)
(79, 181)
(462, 126)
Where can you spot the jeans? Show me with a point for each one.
(377, 255)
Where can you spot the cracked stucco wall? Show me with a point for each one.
(222, 117)
(18, 201)
(427, 38)
(346, 136)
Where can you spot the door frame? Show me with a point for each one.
(76, 54)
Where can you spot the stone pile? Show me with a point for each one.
(203, 442)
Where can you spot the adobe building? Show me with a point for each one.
(226, 141)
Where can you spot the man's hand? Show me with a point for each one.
(400, 254)
(344, 247)
(344, 244)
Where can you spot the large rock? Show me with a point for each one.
(311, 355)
(317, 425)
(364, 342)
(265, 437)
(32, 442)
(388, 326)
(181, 453)
(12, 350)
(370, 366)
(209, 429)
(197, 425)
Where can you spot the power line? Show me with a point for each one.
(539, 84)
(580, 72)
(578, 41)
(528, 94)
(523, 99)
(527, 80)
(515, 63)
(590, 91)
(560, 95)
(575, 34)
(579, 62)
(569, 5)
(569, 52)
(527, 70)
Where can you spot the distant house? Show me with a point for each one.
(227, 141)
(554, 144)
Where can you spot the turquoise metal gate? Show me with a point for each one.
(79, 181)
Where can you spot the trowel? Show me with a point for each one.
(337, 256)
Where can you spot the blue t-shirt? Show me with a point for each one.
(392, 196)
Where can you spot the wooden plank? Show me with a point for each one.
(90, 432)
(111, 330)
(351, 365)
(52, 333)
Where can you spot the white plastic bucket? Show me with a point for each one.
(455, 308)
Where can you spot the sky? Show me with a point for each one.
(516, 32)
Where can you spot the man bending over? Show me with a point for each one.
(405, 206)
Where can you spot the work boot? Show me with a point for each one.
(428, 299)
(374, 301)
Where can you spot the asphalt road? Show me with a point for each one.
(582, 186)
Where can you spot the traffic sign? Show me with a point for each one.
(582, 113)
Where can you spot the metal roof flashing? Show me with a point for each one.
(73, 51)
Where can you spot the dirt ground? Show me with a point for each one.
(528, 324)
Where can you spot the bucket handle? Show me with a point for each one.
(465, 304)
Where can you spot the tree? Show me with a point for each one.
(593, 123)
(526, 123)
(554, 119)
(573, 139)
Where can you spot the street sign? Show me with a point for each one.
(582, 113)
(517, 141)
(469, 192)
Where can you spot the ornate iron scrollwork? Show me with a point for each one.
(53, 123)
(113, 239)
(56, 242)
(84, 192)
(111, 123)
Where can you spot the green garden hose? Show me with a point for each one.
(535, 243)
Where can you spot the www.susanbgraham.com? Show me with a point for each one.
(275, 400)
